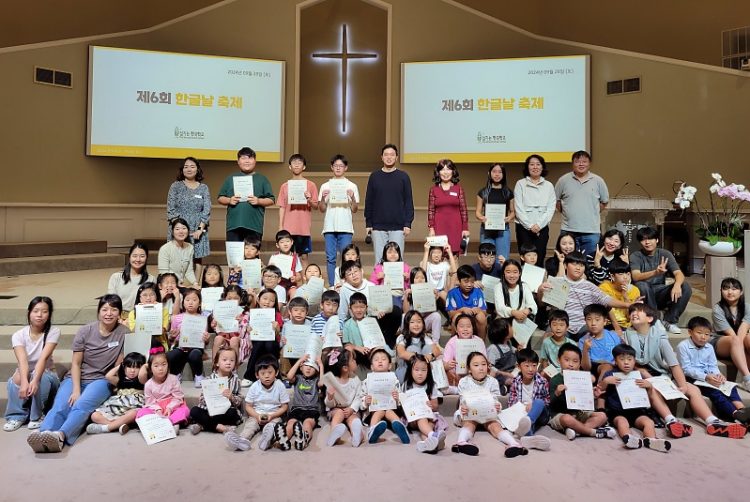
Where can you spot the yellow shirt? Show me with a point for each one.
(164, 323)
(613, 291)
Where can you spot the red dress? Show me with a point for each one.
(447, 214)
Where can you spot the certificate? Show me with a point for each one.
(297, 337)
(423, 297)
(372, 337)
(414, 402)
(510, 417)
(209, 297)
(551, 370)
(138, 342)
(522, 331)
(333, 385)
(251, 274)
(464, 347)
(379, 300)
(579, 390)
(243, 186)
(437, 241)
(438, 374)
(337, 191)
(533, 276)
(489, 283)
(666, 387)
(393, 274)
(225, 314)
(725, 388)
(155, 429)
(380, 387)
(312, 291)
(631, 396)
(314, 348)
(261, 321)
(216, 403)
(284, 262)
(191, 331)
(295, 192)
(480, 406)
(332, 332)
(149, 319)
(558, 295)
(235, 253)
(495, 214)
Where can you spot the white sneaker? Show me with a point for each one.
(12, 425)
(267, 437)
(246, 383)
(673, 329)
(745, 385)
(35, 424)
(570, 434)
(197, 381)
(96, 429)
(536, 442)
(524, 426)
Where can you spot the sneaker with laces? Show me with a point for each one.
(429, 445)
(280, 431)
(632, 442)
(96, 429)
(52, 441)
(673, 328)
(35, 424)
(12, 425)
(267, 437)
(570, 434)
(298, 438)
(195, 429)
(677, 429)
(655, 444)
(725, 430)
(236, 442)
(605, 432)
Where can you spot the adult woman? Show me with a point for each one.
(34, 382)
(609, 248)
(446, 205)
(125, 284)
(97, 348)
(731, 319)
(496, 192)
(176, 255)
(190, 200)
(535, 206)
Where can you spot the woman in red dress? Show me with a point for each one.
(446, 207)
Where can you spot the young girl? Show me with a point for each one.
(304, 408)
(163, 393)
(440, 269)
(431, 430)
(496, 192)
(349, 253)
(432, 320)
(501, 353)
(731, 318)
(35, 382)
(119, 411)
(178, 356)
(312, 270)
(343, 401)
(148, 294)
(554, 264)
(251, 252)
(225, 366)
(213, 277)
(233, 339)
(169, 293)
(412, 341)
(392, 253)
(513, 299)
(465, 328)
(266, 299)
(380, 362)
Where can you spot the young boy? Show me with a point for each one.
(528, 254)
(654, 354)
(596, 346)
(297, 218)
(245, 217)
(698, 361)
(380, 362)
(556, 338)
(297, 309)
(329, 306)
(352, 336)
(285, 245)
(620, 288)
(251, 252)
(304, 407)
(623, 419)
(468, 299)
(271, 279)
(337, 222)
(266, 402)
(530, 388)
(488, 263)
(574, 423)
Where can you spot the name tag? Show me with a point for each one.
(111, 345)
(454, 194)
(198, 196)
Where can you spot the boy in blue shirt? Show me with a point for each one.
(468, 299)
(596, 347)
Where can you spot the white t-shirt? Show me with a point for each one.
(22, 338)
(527, 392)
(338, 217)
(267, 400)
(280, 294)
(437, 274)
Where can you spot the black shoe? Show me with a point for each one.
(466, 449)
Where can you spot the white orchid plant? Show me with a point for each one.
(724, 221)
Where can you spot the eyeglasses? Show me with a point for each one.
(351, 272)
(271, 276)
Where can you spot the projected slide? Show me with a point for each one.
(495, 110)
(169, 105)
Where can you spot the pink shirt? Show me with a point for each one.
(449, 353)
(378, 269)
(158, 392)
(297, 217)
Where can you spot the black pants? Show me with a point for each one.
(261, 349)
(177, 359)
(524, 236)
(240, 234)
(209, 423)
(389, 325)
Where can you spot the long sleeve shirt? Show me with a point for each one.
(156, 393)
(534, 204)
(389, 204)
(697, 362)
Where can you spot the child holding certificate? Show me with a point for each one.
(554, 339)
(148, 294)
(170, 294)
(440, 269)
(266, 300)
(432, 320)
(297, 309)
(308, 291)
(380, 362)
(465, 327)
(119, 411)
(251, 251)
(298, 197)
(531, 389)
(231, 339)
(431, 430)
(412, 341)
(352, 336)
(342, 396)
(304, 408)
(163, 394)
(291, 269)
(225, 366)
(468, 299)
(391, 253)
(179, 355)
(623, 419)
(501, 353)
(349, 253)
(513, 299)
(213, 277)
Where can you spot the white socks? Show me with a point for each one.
(507, 438)
(464, 435)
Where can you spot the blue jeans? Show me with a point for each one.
(335, 243)
(71, 419)
(586, 242)
(539, 416)
(500, 238)
(25, 409)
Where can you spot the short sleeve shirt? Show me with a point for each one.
(22, 338)
(721, 323)
(456, 299)
(646, 263)
(245, 215)
(267, 400)
(601, 349)
(297, 217)
(580, 202)
(100, 353)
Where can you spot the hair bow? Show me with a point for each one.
(155, 350)
(333, 357)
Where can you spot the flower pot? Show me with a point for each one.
(721, 248)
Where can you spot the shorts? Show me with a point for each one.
(303, 414)
(302, 244)
(630, 415)
(580, 415)
(714, 340)
(595, 366)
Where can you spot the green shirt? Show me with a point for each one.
(351, 333)
(550, 349)
(245, 215)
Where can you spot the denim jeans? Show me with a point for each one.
(335, 243)
(71, 419)
(539, 416)
(500, 238)
(586, 242)
(34, 408)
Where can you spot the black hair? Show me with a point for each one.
(379, 350)
(148, 285)
(163, 276)
(198, 173)
(387, 146)
(526, 248)
(527, 355)
(646, 309)
(267, 361)
(312, 265)
(357, 298)
(466, 272)
(417, 270)
(617, 266)
(498, 331)
(153, 356)
(504, 284)
(734, 320)
(273, 269)
(595, 309)
(575, 257)
(560, 237)
(699, 322)
(611, 233)
(474, 354)
(439, 167)
(252, 241)
(330, 295)
(487, 248)
(569, 347)
(109, 299)
(297, 301)
(644, 233)
(234, 288)
(409, 382)
(541, 160)
(126, 268)
(505, 192)
(470, 318)
(297, 156)
(348, 265)
(131, 360)
(224, 348)
(623, 350)
(191, 291)
(246, 151)
(349, 247)
(283, 234)
(342, 360)
(408, 334)
(213, 266)
(558, 315)
(340, 157)
(275, 297)
(390, 245)
(580, 153)
(47, 325)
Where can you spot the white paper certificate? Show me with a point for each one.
(380, 387)
(579, 390)
(191, 331)
(725, 388)
(216, 403)
(414, 402)
(557, 296)
(295, 192)
(138, 342)
(372, 336)
(379, 300)
(464, 347)
(261, 321)
(297, 337)
(480, 406)
(489, 283)
(284, 262)
(495, 214)
(438, 374)
(331, 332)
(666, 387)
(522, 331)
(333, 385)
(225, 313)
(437, 241)
(148, 319)
(510, 417)
(312, 291)
(533, 276)
(631, 396)
(243, 186)
(314, 348)
(393, 274)
(155, 429)
(235, 253)
(251, 274)
(423, 297)
(209, 297)
(337, 191)
(551, 370)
